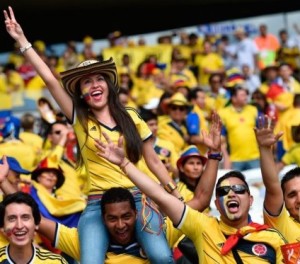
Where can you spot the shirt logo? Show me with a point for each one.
(259, 249)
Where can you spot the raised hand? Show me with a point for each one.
(12, 26)
(4, 169)
(110, 151)
(213, 139)
(264, 132)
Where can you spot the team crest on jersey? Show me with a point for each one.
(164, 152)
(259, 249)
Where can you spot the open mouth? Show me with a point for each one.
(233, 206)
(20, 235)
(96, 94)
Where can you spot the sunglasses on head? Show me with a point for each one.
(237, 188)
(176, 107)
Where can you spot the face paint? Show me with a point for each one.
(86, 94)
(223, 200)
(9, 231)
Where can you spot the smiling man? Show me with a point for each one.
(233, 238)
(19, 221)
(119, 214)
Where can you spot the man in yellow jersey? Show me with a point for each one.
(239, 118)
(20, 218)
(234, 238)
(13, 177)
(281, 204)
(119, 215)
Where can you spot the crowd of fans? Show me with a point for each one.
(177, 90)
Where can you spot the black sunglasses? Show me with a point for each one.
(237, 188)
(180, 108)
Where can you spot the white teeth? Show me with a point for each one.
(96, 93)
(20, 233)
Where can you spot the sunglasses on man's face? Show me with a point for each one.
(237, 188)
(180, 108)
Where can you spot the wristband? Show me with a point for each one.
(123, 167)
(170, 187)
(215, 156)
(27, 47)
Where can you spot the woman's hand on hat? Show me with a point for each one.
(110, 151)
(12, 26)
(264, 132)
(4, 169)
(212, 140)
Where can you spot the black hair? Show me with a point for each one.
(213, 75)
(117, 195)
(49, 129)
(296, 101)
(232, 174)
(20, 198)
(193, 93)
(148, 115)
(291, 174)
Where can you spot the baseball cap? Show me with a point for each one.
(15, 166)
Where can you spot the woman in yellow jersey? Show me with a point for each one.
(190, 167)
(89, 99)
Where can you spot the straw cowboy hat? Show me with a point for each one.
(70, 77)
(190, 151)
(178, 99)
(49, 164)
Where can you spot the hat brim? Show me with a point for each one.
(70, 77)
(182, 159)
(59, 173)
(21, 171)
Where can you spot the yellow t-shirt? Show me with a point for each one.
(40, 256)
(285, 224)
(239, 132)
(168, 130)
(185, 192)
(212, 61)
(290, 118)
(6, 98)
(292, 156)
(103, 174)
(67, 240)
(208, 236)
